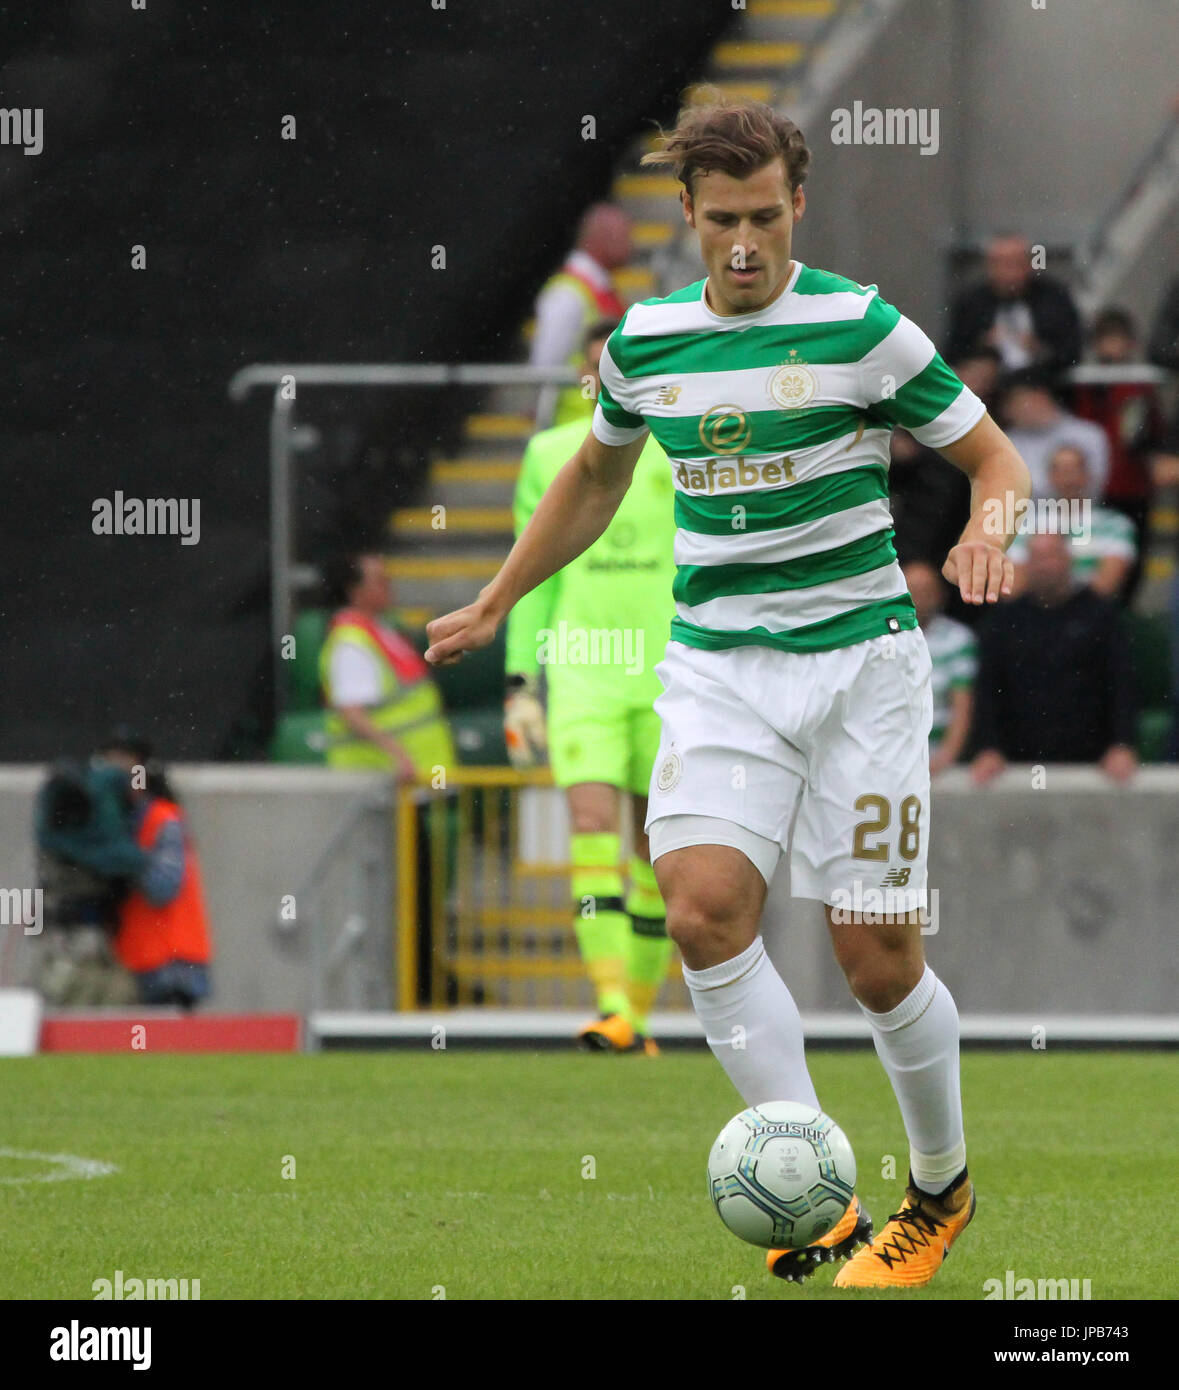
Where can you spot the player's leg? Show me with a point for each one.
(860, 846)
(588, 755)
(648, 945)
(599, 914)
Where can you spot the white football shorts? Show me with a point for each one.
(825, 754)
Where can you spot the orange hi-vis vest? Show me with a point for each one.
(149, 936)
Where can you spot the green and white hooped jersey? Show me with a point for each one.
(1110, 533)
(777, 426)
(953, 653)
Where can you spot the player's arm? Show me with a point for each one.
(532, 613)
(999, 484)
(574, 511)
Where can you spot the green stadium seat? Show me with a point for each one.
(299, 737)
(477, 681)
(310, 628)
(1154, 727)
(479, 736)
(1150, 649)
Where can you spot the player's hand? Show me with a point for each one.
(465, 630)
(987, 766)
(524, 726)
(981, 571)
(1120, 762)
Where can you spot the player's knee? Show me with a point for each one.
(879, 978)
(706, 925)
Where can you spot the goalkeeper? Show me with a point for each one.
(598, 628)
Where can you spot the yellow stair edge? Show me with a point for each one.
(752, 91)
(646, 186)
(498, 426)
(414, 520)
(756, 53)
(651, 233)
(441, 567)
(504, 470)
(637, 278)
(791, 9)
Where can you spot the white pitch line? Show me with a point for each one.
(69, 1166)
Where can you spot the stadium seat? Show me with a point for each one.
(1150, 648)
(303, 675)
(477, 681)
(299, 737)
(1154, 727)
(479, 736)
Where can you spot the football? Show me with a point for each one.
(781, 1174)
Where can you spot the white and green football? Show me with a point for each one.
(781, 1174)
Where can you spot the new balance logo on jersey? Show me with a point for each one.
(896, 878)
(668, 395)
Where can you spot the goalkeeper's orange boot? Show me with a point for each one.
(852, 1229)
(610, 1033)
(915, 1241)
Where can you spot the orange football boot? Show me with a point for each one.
(610, 1033)
(853, 1228)
(915, 1241)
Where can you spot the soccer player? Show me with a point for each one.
(796, 708)
(597, 630)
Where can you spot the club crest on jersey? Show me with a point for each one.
(792, 385)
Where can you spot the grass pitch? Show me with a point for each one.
(469, 1172)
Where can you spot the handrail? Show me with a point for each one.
(399, 374)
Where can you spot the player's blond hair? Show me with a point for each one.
(735, 137)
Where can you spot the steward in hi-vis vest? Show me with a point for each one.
(369, 665)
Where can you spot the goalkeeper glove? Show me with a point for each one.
(524, 723)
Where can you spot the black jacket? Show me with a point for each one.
(1055, 685)
(1055, 321)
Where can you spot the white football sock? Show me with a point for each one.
(753, 1027)
(917, 1043)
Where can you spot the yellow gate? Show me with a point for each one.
(476, 924)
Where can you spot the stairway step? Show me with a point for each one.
(764, 55)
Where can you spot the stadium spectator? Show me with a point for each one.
(930, 500)
(1131, 415)
(981, 369)
(1055, 682)
(163, 936)
(954, 656)
(385, 711)
(1163, 349)
(573, 299)
(1028, 318)
(1165, 475)
(1037, 424)
(1102, 541)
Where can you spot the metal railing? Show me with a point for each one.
(496, 925)
(284, 380)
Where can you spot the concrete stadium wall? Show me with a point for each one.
(1043, 115)
(1058, 898)
(259, 831)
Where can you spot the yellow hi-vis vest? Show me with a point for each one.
(572, 404)
(411, 711)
